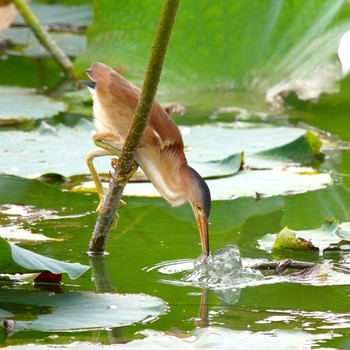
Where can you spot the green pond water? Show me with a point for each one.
(152, 238)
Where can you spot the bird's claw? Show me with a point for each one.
(100, 211)
(125, 179)
(121, 204)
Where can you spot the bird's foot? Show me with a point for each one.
(125, 179)
(115, 219)
(100, 210)
(121, 204)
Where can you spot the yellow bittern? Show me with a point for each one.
(161, 151)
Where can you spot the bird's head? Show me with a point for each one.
(198, 195)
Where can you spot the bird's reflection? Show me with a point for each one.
(202, 320)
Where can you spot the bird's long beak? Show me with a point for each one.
(203, 224)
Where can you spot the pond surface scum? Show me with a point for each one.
(152, 290)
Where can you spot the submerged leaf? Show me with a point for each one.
(16, 259)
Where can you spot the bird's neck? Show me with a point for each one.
(168, 177)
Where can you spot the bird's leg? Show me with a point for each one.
(89, 161)
(105, 149)
(100, 190)
(101, 140)
(108, 147)
(109, 142)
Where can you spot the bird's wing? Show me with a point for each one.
(112, 89)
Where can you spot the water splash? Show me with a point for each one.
(224, 269)
(222, 272)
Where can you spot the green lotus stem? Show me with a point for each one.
(116, 187)
(43, 36)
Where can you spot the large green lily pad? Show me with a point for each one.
(246, 184)
(61, 149)
(213, 150)
(264, 146)
(81, 310)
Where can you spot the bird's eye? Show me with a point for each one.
(199, 207)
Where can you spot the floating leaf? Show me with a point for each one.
(51, 13)
(287, 239)
(264, 146)
(303, 149)
(17, 259)
(81, 310)
(47, 150)
(63, 149)
(219, 168)
(72, 44)
(28, 105)
(328, 235)
(245, 184)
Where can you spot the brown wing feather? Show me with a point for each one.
(112, 89)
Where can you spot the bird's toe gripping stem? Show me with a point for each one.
(125, 179)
